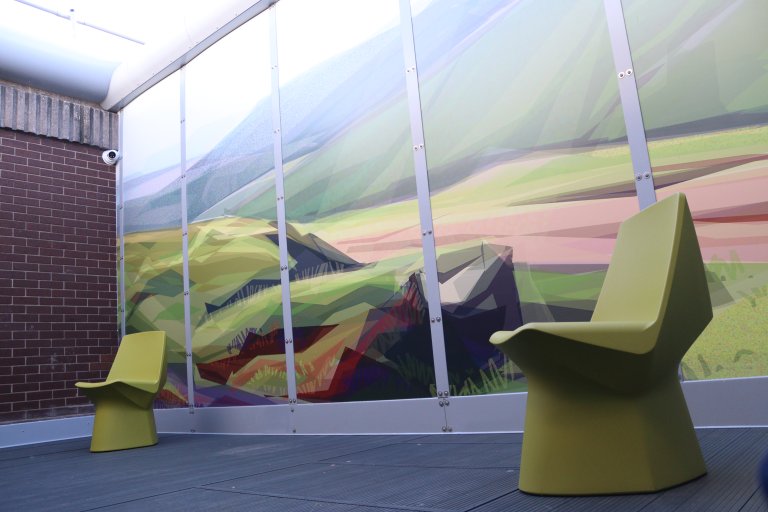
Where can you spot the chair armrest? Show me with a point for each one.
(143, 385)
(618, 355)
(141, 393)
(629, 337)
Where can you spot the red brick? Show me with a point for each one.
(25, 406)
(11, 159)
(24, 387)
(13, 397)
(54, 403)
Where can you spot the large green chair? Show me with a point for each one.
(605, 412)
(124, 417)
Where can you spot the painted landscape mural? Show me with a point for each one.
(530, 177)
(153, 277)
(534, 180)
(234, 267)
(704, 95)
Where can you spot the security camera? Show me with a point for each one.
(110, 156)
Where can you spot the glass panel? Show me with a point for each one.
(361, 330)
(530, 173)
(154, 288)
(234, 264)
(702, 67)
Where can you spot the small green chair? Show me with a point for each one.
(124, 417)
(605, 412)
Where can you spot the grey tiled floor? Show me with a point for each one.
(453, 472)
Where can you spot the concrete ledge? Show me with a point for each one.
(38, 112)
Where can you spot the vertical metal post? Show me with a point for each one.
(185, 238)
(425, 207)
(630, 103)
(285, 284)
(121, 226)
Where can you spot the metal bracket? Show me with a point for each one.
(630, 103)
(421, 171)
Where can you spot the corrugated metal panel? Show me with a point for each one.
(29, 110)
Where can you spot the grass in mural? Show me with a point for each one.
(269, 381)
(740, 141)
(495, 379)
(415, 370)
(153, 266)
(733, 345)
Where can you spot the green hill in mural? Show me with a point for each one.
(364, 333)
(696, 63)
(558, 96)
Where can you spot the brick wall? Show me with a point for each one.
(58, 320)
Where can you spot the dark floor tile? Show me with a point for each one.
(731, 479)
(436, 488)
(208, 500)
(757, 503)
(481, 455)
(521, 502)
(16, 453)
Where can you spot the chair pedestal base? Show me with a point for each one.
(581, 438)
(119, 424)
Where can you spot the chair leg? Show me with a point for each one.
(581, 438)
(119, 424)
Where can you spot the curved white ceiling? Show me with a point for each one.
(81, 52)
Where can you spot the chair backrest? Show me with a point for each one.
(657, 274)
(141, 356)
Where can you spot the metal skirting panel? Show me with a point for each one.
(728, 402)
(487, 413)
(717, 403)
(383, 417)
(261, 419)
(30, 110)
(31, 432)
